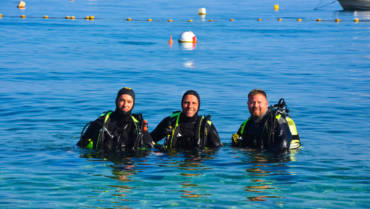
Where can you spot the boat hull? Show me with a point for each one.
(355, 4)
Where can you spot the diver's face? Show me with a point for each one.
(190, 105)
(257, 105)
(125, 103)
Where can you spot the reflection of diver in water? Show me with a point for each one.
(266, 172)
(191, 167)
(122, 167)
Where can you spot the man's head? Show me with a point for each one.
(257, 102)
(125, 100)
(190, 103)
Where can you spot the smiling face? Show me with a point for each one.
(257, 105)
(125, 103)
(190, 105)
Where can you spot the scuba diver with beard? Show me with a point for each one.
(268, 128)
(186, 130)
(118, 131)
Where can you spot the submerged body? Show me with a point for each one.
(118, 131)
(112, 133)
(267, 129)
(269, 132)
(186, 133)
(186, 130)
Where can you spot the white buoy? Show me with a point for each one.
(202, 11)
(188, 37)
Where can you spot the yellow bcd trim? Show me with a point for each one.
(90, 145)
(235, 137)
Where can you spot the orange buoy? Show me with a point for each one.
(194, 39)
(170, 42)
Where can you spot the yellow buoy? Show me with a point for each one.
(232, 20)
(129, 19)
(318, 20)
(21, 5)
(280, 19)
(68, 17)
(1, 15)
(46, 17)
(73, 17)
(91, 17)
(23, 16)
(276, 7)
(150, 20)
(170, 20)
(337, 20)
(299, 19)
(87, 18)
(259, 19)
(190, 20)
(210, 20)
(356, 20)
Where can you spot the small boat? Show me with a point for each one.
(355, 4)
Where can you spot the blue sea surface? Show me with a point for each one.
(57, 74)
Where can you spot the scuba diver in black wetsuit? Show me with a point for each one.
(186, 130)
(118, 131)
(268, 129)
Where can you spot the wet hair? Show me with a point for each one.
(257, 91)
(191, 92)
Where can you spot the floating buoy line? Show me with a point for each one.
(210, 20)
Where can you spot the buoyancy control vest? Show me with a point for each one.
(200, 136)
(281, 114)
(96, 143)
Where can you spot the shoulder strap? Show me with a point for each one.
(203, 131)
(106, 116)
(138, 122)
(244, 124)
(177, 116)
(137, 118)
(174, 129)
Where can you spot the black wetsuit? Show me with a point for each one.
(188, 136)
(265, 133)
(120, 135)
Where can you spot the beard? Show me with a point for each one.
(122, 113)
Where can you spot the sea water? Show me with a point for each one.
(57, 74)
